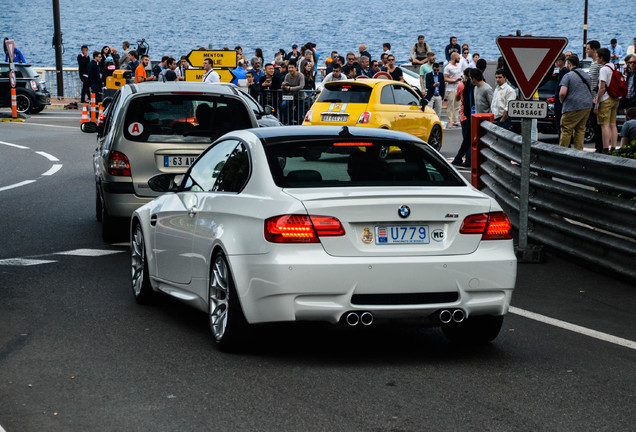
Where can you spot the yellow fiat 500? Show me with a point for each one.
(376, 103)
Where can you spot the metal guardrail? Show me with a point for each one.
(582, 204)
(72, 82)
(289, 107)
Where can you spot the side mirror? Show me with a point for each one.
(88, 127)
(268, 109)
(166, 182)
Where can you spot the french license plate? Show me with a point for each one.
(178, 161)
(402, 234)
(337, 118)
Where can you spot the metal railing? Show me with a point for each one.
(289, 107)
(582, 204)
(72, 82)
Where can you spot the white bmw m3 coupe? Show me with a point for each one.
(321, 223)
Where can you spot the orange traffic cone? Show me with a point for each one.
(100, 114)
(85, 118)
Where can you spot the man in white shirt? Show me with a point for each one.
(464, 60)
(502, 94)
(452, 76)
(210, 76)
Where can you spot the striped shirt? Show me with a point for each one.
(594, 70)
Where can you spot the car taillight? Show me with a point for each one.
(309, 115)
(364, 118)
(34, 85)
(492, 226)
(550, 100)
(301, 228)
(118, 164)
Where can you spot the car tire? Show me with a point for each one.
(109, 225)
(37, 110)
(98, 205)
(226, 318)
(435, 138)
(589, 132)
(140, 277)
(23, 103)
(474, 330)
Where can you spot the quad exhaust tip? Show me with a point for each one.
(353, 319)
(454, 315)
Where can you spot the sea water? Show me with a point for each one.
(174, 28)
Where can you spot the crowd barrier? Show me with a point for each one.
(582, 204)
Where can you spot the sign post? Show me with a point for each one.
(530, 59)
(10, 45)
(222, 62)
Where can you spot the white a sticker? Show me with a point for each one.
(135, 129)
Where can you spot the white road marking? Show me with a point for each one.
(2, 430)
(13, 186)
(24, 262)
(574, 328)
(89, 252)
(30, 261)
(13, 145)
(55, 168)
(48, 156)
(47, 125)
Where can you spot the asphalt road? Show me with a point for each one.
(78, 354)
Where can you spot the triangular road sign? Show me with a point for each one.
(10, 48)
(530, 59)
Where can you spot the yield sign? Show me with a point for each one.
(10, 48)
(530, 59)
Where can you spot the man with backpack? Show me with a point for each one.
(612, 87)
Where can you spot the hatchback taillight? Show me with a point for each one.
(308, 115)
(492, 226)
(118, 164)
(34, 85)
(301, 228)
(364, 118)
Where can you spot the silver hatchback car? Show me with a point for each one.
(154, 128)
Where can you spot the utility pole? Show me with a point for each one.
(57, 42)
(585, 31)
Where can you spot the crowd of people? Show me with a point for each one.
(458, 79)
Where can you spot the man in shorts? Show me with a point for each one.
(606, 106)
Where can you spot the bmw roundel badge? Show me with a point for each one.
(404, 211)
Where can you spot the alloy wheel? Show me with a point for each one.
(219, 297)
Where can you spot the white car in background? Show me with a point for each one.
(257, 232)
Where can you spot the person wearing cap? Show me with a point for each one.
(419, 51)
(293, 55)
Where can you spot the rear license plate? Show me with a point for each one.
(178, 161)
(402, 234)
(337, 118)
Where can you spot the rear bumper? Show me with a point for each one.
(318, 287)
(120, 199)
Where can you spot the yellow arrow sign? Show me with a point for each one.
(225, 75)
(220, 59)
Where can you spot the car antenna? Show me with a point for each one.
(344, 131)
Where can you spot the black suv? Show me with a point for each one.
(31, 93)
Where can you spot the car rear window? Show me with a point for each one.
(345, 93)
(188, 118)
(353, 162)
